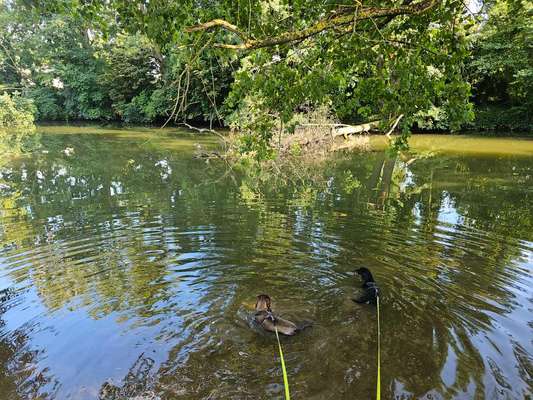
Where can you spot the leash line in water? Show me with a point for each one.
(285, 377)
(378, 387)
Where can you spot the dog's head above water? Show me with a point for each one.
(263, 303)
(365, 274)
(371, 290)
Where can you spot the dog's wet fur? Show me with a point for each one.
(270, 322)
(370, 287)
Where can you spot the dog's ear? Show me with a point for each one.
(263, 298)
(268, 301)
(364, 273)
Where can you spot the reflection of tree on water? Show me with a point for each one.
(445, 279)
(381, 179)
(466, 304)
(20, 377)
(87, 179)
(136, 383)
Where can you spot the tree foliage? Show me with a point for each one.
(501, 66)
(254, 65)
(54, 63)
(363, 60)
(17, 131)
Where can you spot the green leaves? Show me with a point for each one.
(17, 131)
(136, 61)
(501, 67)
(16, 112)
(409, 65)
(132, 70)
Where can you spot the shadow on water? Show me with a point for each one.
(129, 268)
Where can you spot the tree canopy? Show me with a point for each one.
(253, 65)
(501, 65)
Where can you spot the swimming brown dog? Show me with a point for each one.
(266, 318)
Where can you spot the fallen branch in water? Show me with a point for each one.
(352, 129)
(333, 136)
(208, 155)
(393, 127)
(200, 130)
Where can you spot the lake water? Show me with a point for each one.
(129, 269)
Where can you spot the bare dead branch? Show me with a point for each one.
(203, 130)
(199, 130)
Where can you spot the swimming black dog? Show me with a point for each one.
(370, 287)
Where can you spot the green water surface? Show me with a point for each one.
(129, 270)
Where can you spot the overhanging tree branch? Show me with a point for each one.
(217, 23)
(344, 17)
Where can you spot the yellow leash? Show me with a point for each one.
(284, 370)
(285, 377)
(378, 389)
